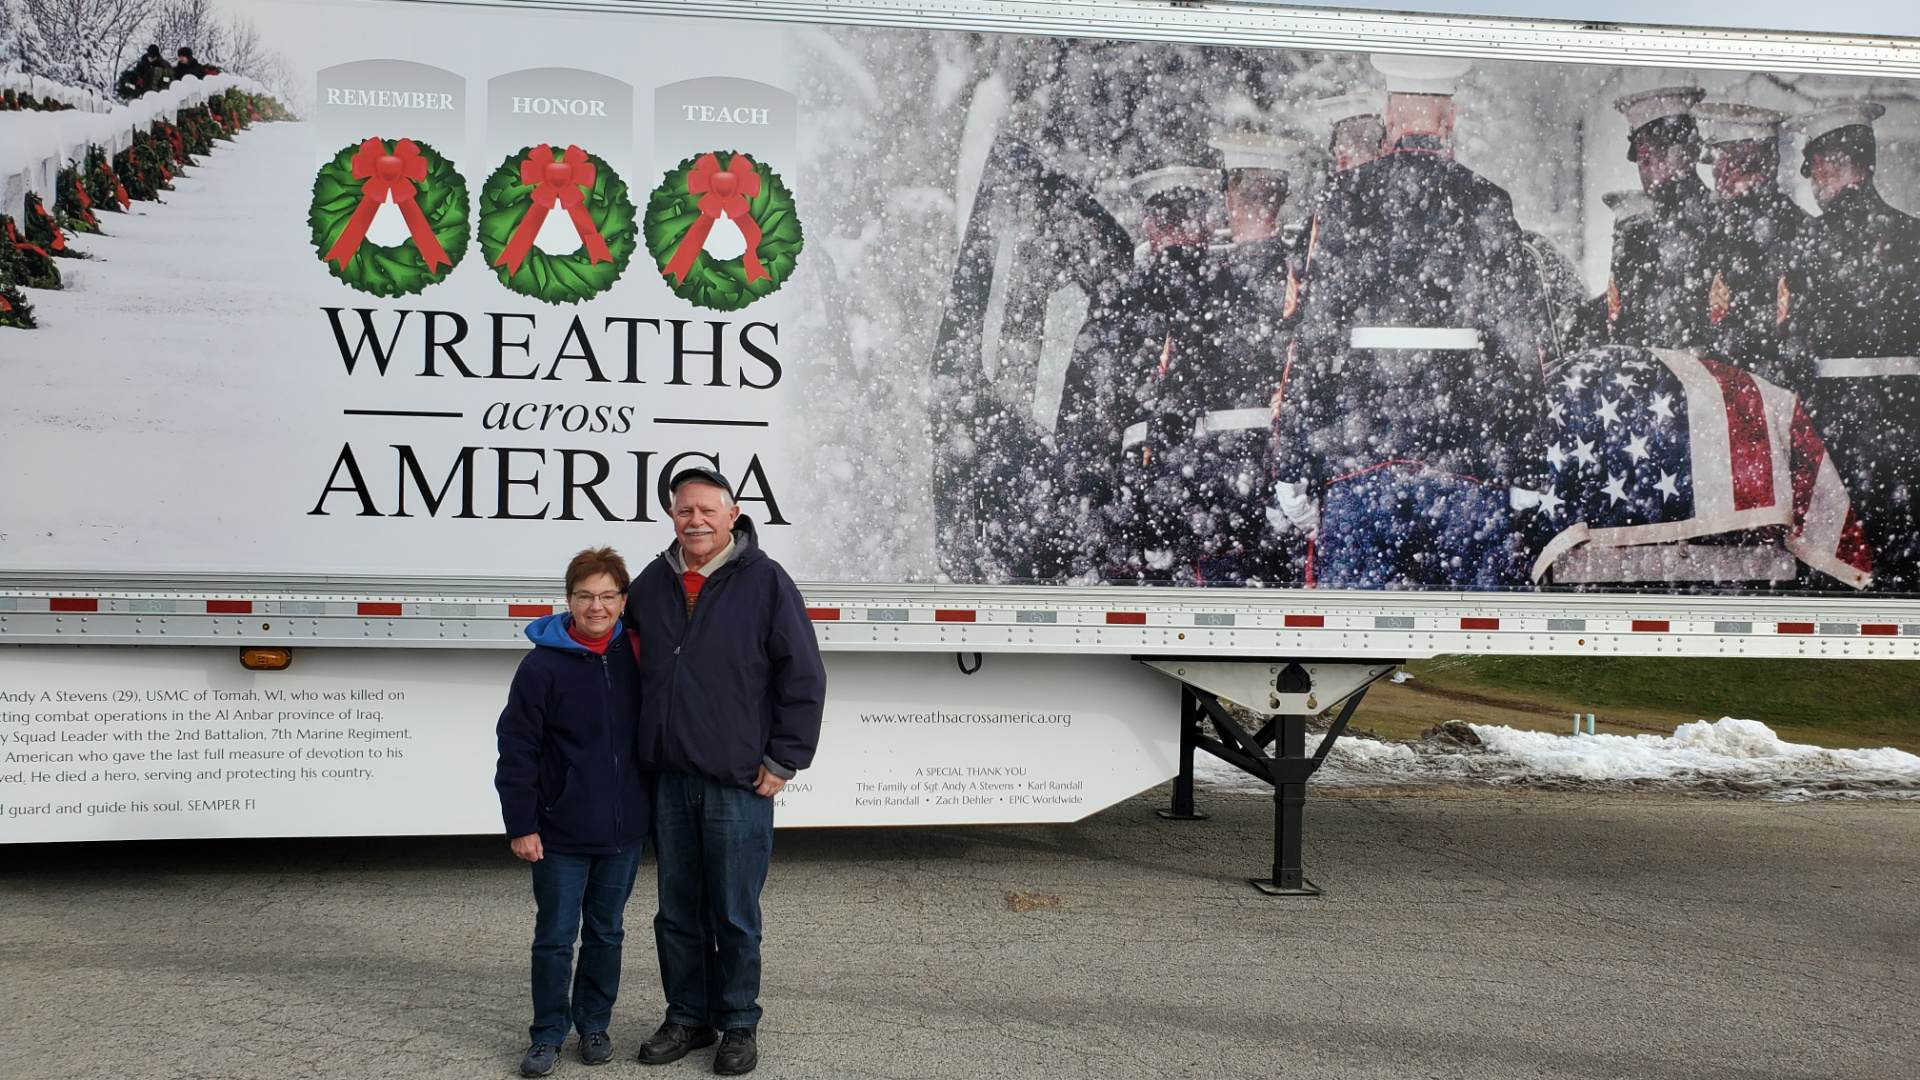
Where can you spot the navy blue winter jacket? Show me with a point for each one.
(738, 683)
(567, 768)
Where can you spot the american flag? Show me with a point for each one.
(1651, 446)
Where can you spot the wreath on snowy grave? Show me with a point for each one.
(687, 205)
(431, 196)
(515, 202)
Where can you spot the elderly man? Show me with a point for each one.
(731, 692)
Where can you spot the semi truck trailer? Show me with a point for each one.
(1122, 381)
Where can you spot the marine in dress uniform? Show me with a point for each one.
(1413, 401)
(1355, 133)
(1157, 344)
(1757, 247)
(1861, 322)
(1657, 291)
(1223, 457)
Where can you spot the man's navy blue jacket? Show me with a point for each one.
(737, 684)
(567, 766)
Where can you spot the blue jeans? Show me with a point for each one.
(714, 842)
(583, 896)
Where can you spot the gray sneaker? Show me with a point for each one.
(539, 1060)
(596, 1048)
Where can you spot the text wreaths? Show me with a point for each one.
(373, 340)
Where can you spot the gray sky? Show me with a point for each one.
(1874, 17)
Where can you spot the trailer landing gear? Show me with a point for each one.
(1287, 695)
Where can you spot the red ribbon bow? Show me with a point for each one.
(721, 191)
(59, 238)
(381, 174)
(24, 245)
(557, 180)
(119, 189)
(86, 203)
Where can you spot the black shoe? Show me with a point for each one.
(672, 1042)
(738, 1054)
(596, 1048)
(539, 1060)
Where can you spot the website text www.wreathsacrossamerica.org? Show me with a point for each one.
(941, 717)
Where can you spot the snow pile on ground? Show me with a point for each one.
(1725, 755)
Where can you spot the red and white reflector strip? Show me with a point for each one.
(955, 615)
(74, 603)
(1650, 626)
(229, 607)
(824, 614)
(371, 607)
(1479, 623)
(1126, 618)
(525, 611)
(1306, 622)
(1794, 627)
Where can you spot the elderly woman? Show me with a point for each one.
(576, 804)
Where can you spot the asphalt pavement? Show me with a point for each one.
(1463, 934)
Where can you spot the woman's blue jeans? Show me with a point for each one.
(583, 897)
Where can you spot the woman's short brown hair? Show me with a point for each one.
(595, 561)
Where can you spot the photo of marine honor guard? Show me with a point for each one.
(1341, 356)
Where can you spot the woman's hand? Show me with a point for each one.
(527, 847)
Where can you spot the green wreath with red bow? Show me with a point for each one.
(691, 200)
(431, 196)
(537, 181)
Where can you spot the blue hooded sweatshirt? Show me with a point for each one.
(567, 767)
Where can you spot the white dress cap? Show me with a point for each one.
(1258, 150)
(1174, 178)
(1647, 106)
(1835, 115)
(1421, 74)
(1731, 122)
(1323, 114)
